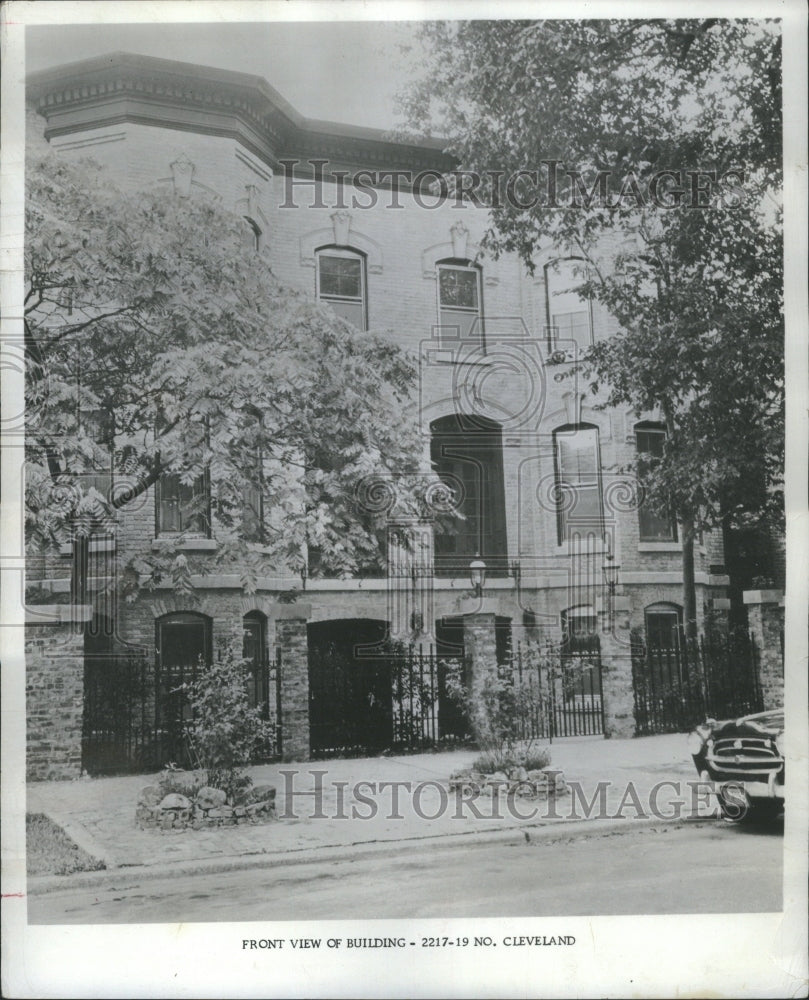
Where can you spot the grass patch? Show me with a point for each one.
(49, 850)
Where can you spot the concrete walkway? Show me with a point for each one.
(358, 805)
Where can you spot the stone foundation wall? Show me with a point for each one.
(54, 688)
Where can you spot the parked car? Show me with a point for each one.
(744, 758)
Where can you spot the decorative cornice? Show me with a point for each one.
(124, 87)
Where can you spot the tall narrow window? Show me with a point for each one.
(254, 651)
(253, 502)
(578, 479)
(98, 425)
(654, 527)
(459, 301)
(467, 454)
(183, 506)
(251, 235)
(341, 283)
(570, 320)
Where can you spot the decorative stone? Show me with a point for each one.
(210, 798)
(167, 821)
(239, 811)
(263, 793)
(175, 801)
(149, 795)
(518, 774)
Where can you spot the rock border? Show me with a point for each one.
(207, 809)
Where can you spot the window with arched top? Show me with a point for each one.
(570, 315)
(251, 234)
(255, 651)
(663, 622)
(341, 283)
(578, 481)
(460, 300)
(653, 525)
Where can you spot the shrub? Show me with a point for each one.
(503, 712)
(225, 731)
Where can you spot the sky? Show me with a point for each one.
(337, 71)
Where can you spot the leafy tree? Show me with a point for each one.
(695, 279)
(158, 342)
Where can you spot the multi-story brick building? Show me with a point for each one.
(535, 461)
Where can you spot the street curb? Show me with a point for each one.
(559, 830)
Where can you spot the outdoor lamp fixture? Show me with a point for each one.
(477, 574)
(611, 570)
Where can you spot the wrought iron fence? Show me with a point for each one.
(678, 686)
(136, 714)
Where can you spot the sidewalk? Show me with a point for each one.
(99, 813)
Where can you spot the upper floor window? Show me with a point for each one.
(578, 480)
(98, 425)
(570, 318)
(251, 235)
(341, 283)
(654, 527)
(183, 506)
(459, 300)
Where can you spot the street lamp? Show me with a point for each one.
(611, 570)
(477, 574)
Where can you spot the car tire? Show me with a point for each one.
(757, 811)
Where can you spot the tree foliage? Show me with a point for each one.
(158, 342)
(695, 282)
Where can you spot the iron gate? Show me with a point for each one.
(393, 700)
(678, 686)
(559, 690)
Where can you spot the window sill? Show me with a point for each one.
(96, 545)
(659, 547)
(187, 545)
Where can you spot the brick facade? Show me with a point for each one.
(230, 145)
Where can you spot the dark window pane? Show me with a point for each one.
(458, 289)
(180, 504)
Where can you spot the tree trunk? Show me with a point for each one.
(689, 586)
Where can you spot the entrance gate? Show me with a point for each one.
(367, 695)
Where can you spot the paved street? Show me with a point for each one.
(705, 867)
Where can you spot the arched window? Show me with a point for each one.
(663, 624)
(650, 440)
(578, 480)
(255, 652)
(182, 638)
(467, 453)
(460, 300)
(251, 235)
(570, 316)
(340, 278)
(578, 621)
(183, 642)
